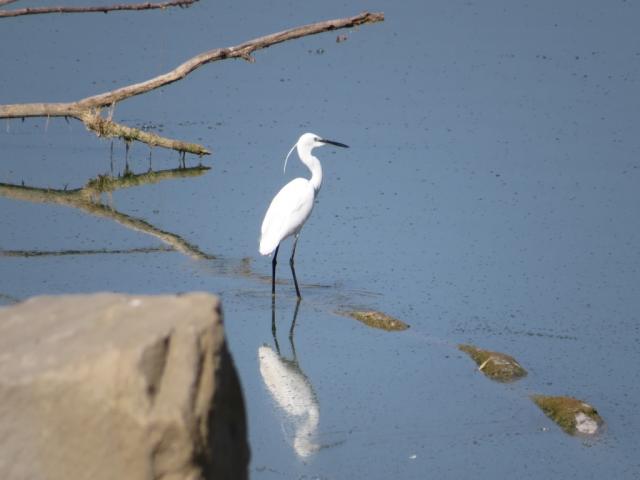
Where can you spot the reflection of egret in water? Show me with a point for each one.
(291, 389)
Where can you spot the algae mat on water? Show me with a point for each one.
(572, 415)
(375, 319)
(495, 365)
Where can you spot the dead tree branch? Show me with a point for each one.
(97, 9)
(88, 110)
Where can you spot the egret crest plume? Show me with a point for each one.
(288, 155)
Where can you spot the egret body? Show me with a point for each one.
(292, 205)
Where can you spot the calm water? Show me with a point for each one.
(490, 196)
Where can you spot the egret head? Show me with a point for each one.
(309, 141)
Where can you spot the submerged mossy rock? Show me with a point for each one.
(572, 415)
(375, 319)
(495, 365)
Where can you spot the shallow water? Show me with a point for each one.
(490, 197)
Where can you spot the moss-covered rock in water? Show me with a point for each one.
(495, 365)
(376, 319)
(572, 415)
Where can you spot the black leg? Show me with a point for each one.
(273, 271)
(293, 270)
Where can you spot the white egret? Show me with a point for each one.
(292, 205)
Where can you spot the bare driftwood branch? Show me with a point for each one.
(88, 110)
(97, 9)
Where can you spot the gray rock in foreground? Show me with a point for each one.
(111, 386)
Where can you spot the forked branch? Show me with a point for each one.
(88, 110)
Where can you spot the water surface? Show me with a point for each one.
(490, 197)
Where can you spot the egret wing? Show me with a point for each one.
(287, 213)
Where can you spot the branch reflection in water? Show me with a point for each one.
(88, 199)
(99, 251)
(291, 389)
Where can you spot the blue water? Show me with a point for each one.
(490, 196)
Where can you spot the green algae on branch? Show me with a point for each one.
(104, 127)
(377, 319)
(572, 415)
(495, 365)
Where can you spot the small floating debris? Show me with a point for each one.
(495, 365)
(572, 415)
(375, 319)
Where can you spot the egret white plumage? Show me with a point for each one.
(293, 204)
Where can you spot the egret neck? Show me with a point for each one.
(313, 164)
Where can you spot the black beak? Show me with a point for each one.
(331, 142)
